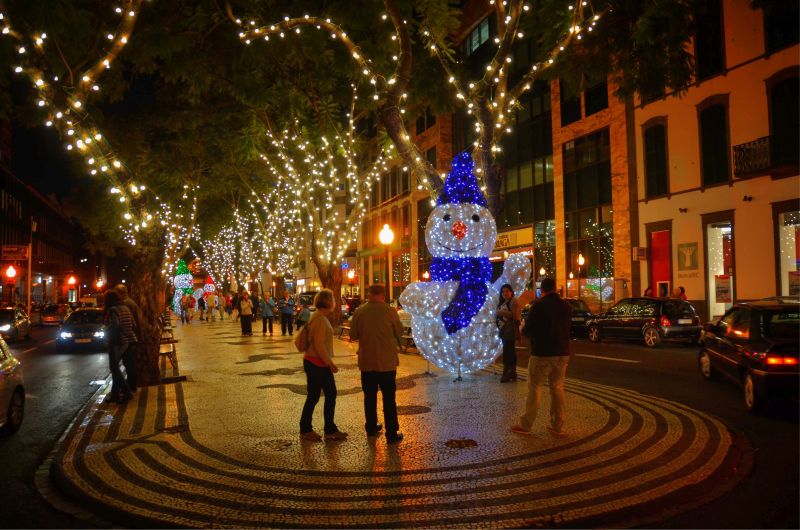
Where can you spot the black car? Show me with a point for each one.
(580, 314)
(83, 328)
(14, 324)
(755, 344)
(648, 319)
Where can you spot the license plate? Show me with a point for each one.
(684, 321)
(82, 341)
(578, 319)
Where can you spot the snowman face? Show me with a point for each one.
(460, 230)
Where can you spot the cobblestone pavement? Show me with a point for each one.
(222, 449)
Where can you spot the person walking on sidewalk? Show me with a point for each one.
(121, 334)
(267, 314)
(548, 326)
(133, 351)
(377, 328)
(316, 340)
(246, 314)
(286, 309)
(509, 329)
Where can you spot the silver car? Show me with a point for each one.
(12, 391)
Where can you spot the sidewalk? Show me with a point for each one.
(223, 449)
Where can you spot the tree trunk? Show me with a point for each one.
(331, 277)
(148, 290)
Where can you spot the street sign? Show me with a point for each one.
(15, 252)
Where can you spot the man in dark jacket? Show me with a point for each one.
(548, 325)
(129, 357)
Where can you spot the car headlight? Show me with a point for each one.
(5, 327)
(66, 335)
(100, 334)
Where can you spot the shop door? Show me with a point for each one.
(660, 262)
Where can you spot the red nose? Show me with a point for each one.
(459, 230)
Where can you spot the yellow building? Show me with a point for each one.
(717, 169)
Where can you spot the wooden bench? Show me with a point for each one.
(408, 339)
(168, 341)
(345, 327)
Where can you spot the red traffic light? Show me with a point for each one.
(11, 272)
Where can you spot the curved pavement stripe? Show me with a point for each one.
(646, 448)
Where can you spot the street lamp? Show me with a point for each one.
(581, 262)
(426, 275)
(351, 274)
(99, 283)
(542, 272)
(386, 236)
(11, 272)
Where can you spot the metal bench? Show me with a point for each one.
(345, 327)
(168, 341)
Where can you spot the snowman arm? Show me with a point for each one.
(427, 298)
(516, 272)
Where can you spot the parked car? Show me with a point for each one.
(349, 305)
(83, 328)
(306, 298)
(580, 314)
(14, 324)
(755, 344)
(12, 391)
(650, 319)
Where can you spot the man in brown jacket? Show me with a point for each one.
(377, 328)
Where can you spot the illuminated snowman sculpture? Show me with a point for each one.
(454, 315)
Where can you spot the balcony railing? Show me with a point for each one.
(752, 157)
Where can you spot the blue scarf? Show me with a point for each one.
(472, 274)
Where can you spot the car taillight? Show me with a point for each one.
(775, 360)
(665, 323)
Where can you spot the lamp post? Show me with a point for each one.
(542, 272)
(72, 281)
(581, 262)
(351, 274)
(386, 236)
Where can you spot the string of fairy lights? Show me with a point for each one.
(497, 103)
(312, 177)
(64, 101)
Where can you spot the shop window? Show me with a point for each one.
(425, 121)
(720, 266)
(395, 181)
(655, 161)
(787, 232)
(709, 42)
(785, 122)
(781, 28)
(714, 148)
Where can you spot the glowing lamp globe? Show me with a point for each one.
(581, 260)
(386, 236)
(71, 280)
(99, 283)
(351, 274)
(11, 272)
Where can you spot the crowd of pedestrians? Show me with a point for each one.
(378, 328)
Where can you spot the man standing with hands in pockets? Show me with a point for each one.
(377, 328)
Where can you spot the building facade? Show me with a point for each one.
(717, 169)
(29, 218)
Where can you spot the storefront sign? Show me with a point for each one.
(687, 256)
(514, 238)
(15, 252)
(794, 283)
(722, 288)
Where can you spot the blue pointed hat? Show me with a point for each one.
(461, 185)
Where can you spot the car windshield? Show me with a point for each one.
(580, 305)
(50, 309)
(781, 324)
(86, 317)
